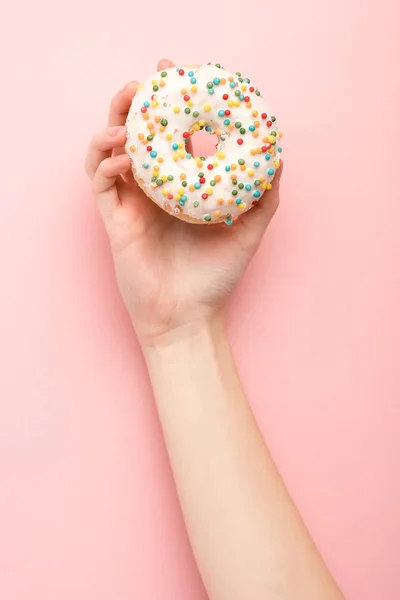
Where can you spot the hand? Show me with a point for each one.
(171, 274)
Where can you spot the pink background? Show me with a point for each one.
(87, 506)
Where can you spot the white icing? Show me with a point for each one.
(168, 96)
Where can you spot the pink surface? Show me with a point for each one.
(87, 507)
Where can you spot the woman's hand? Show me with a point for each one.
(171, 274)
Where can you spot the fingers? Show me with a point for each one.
(121, 103)
(164, 63)
(104, 186)
(102, 145)
(259, 217)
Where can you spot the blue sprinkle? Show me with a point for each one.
(227, 122)
(227, 168)
(221, 113)
(216, 81)
(175, 146)
(193, 80)
(241, 97)
(146, 104)
(256, 164)
(208, 128)
(153, 154)
(188, 155)
(186, 140)
(271, 171)
(267, 156)
(146, 165)
(197, 185)
(211, 91)
(181, 203)
(238, 201)
(251, 128)
(279, 149)
(232, 84)
(190, 73)
(246, 80)
(184, 198)
(228, 221)
(257, 194)
(248, 187)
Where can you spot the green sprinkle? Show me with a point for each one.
(184, 183)
(187, 110)
(242, 130)
(203, 158)
(257, 182)
(149, 138)
(170, 177)
(241, 80)
(201, 174)
(238, 124)
(241, 161)
(207, 217)
(241, 186)
(159, 181)
(164, 122)
(218, 66)
(234, 181)
(164, 74)
(273, 119)
(155, 88)
(212, 182)
(195, 114)
(257, 93)
(237, 92)
(153, 178)
(273, 133)
(196, 203)
(238, 73)
(234, 192)
(210, 85)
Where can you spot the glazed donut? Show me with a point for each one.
(168, 109)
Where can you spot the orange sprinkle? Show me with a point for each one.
(231, 201)
(150, 126)
(233, 176)
(249, 105)
(217, 178)
(262, 178)
(141, 136)
(255, 134)
(146, 116)
(191, 188)
(253, 152)
(217, 213)
(242, 167)
(256, 123)
(220, 201)
(160, 159)
(233, 167)
(223, 81)
(183, 91)
(132, 148)
(157, 118)
(182, 176)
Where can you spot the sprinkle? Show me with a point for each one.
(212, 182)
(220, 154)
(257, 194)
(221, 113)
(242, 130)
(234, 192)
(238, 200)
(228, 221)
(195, 114)
(132, 148)
(227, 168)
(210, 167)
(271, 172)
(225, 97)
(250, 173)
(232, 84)
(217, 213)
(248, 187)
(193, 80)
(226, 122)
(155, 88)
(196, 203)
(207, 217)
(269, 186)
(181, 72)
(145, 165)
(187, 110)
(240, 141)
(193, 89)
(190, 73)
(207, 107)
(267, 156)
(164, 122)
(209, 191)
(197, 185)
(241, 161)
(204, 196)
(217, 178)
(256, 163)
(277, 164)
(146, 104)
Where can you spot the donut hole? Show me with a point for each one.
(204, 143)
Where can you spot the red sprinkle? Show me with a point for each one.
(186, 134)
(246, 99)
(225, 97)
(170, 196)
(202, 180)
(181, 72)
(154, 96)
(149, 148)
(264, 115)
(251, 89)
(254, 202)
(210, 167)
(227, 112)
(143, 109)
(240, 141)
(269, 123)
(204, 196)
(186, 98)
(264, 148)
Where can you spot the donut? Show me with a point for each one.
(171, 107)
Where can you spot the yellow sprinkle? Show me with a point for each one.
(139, 86)
(243, 87)
(202, 123)
(156, 168)
(191, 188)
(271, 139)
(230, 103)
(207, 107)
(209, 191)
(162, 128)
(132, 148)
(180, 145)
(217, 178)
(164, 178)
(254, 113)
(154, 82)
(250, 172)
(154, 103)
(183, 91)
(169, 136)
(180, 191)
(277, 164)
(236, 103)
(215, 163)
(196, 127)
(242, 205)
(175, 157)
(182, 176)
(165, 192)
(220, 201)
(153, 185)
(190, 103)
(181, 154)
(193, 89)
(177, 197)
(217, 213)
(161, 83)
(176, 109)
(160, 159)
(233, 167)
(269, 186)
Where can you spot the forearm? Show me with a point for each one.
(247, 537)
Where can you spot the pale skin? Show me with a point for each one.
(248, 539)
